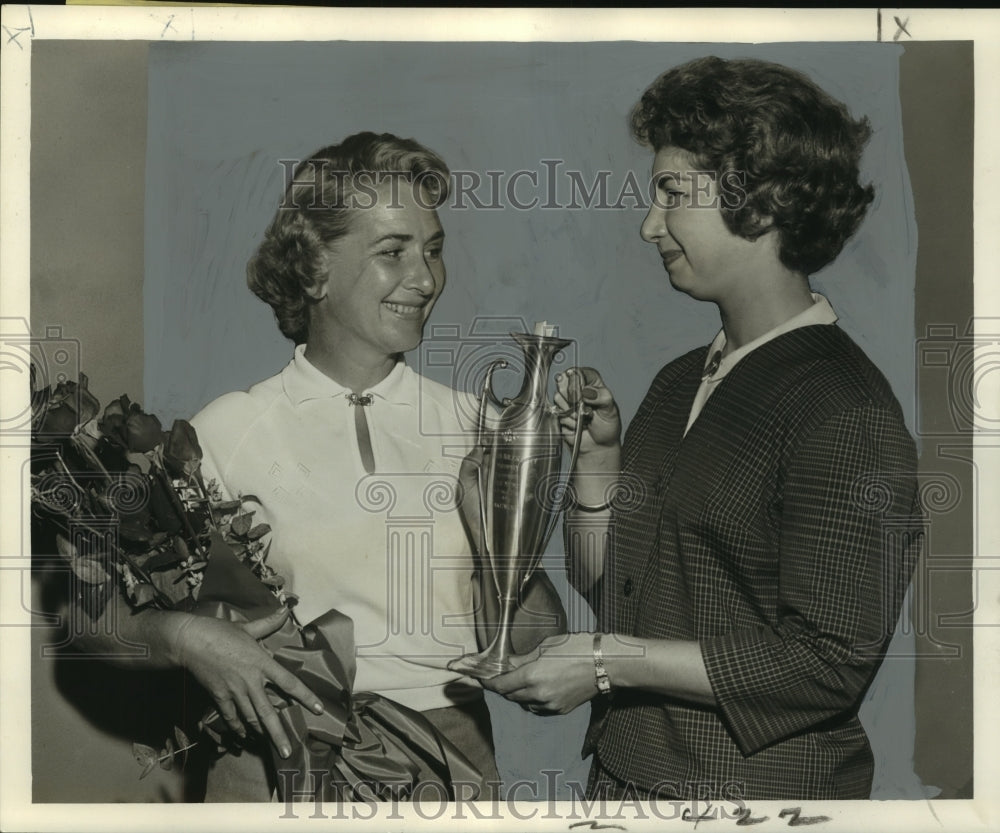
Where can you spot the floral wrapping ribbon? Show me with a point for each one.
(363, 746)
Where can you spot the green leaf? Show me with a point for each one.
(241, 524)
(143, 594)
(181, 546)
(181, 738)
(140, 460)
(227, 506)
(147, 769)
(273, 581)
(90, 571)
(166, 759)
(134, 529)
(183, 745)
(66, 547)
(258, 531)
(208, 724)
(143, 754)
(162, 560)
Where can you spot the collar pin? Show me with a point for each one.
(713, 365)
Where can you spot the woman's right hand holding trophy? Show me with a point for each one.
(599, 458)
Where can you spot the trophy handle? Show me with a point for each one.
(481, 440)
(488, 394)
(574, 453)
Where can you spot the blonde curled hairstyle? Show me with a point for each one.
(316, 211)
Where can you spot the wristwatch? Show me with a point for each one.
(600, 672)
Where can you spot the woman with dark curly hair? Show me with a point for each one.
(746, 582)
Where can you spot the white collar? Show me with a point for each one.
(303, 381)
(819, 313)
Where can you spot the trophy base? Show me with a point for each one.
(481, 666)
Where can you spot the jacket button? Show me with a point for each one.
(627, 587)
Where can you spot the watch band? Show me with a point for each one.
(600, 672)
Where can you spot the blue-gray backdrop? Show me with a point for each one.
(221, 116)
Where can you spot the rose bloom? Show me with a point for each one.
(181, 451)
(68, 406)
(126, 425)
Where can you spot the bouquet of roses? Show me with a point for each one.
(132, 515)
(128, 502)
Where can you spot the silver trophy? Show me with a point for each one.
(521, 491)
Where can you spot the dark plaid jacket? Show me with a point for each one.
(781, 533)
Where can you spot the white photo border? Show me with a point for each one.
(21, 25)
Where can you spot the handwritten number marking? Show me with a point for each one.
(687, 815)
(798, 819)
(746, 819)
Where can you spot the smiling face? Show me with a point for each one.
(382, 280)
(703, 258)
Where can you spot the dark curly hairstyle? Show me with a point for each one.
(316, 210)
(797, 148)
